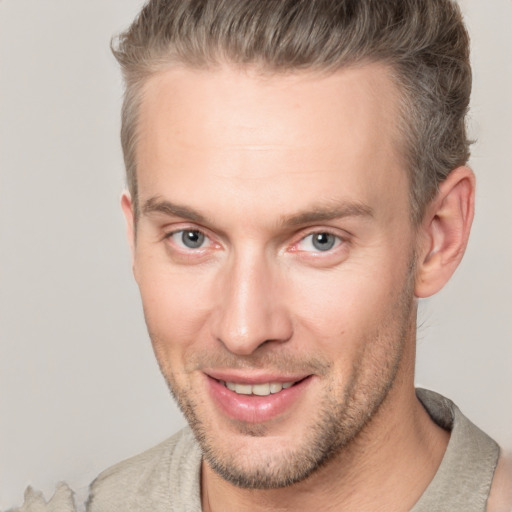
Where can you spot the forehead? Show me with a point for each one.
(246, 135)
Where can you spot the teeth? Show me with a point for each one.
(258, 389)
(275, 387)
(261, 389)
(243, 389)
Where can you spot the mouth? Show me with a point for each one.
(257, 399)
(264, 389)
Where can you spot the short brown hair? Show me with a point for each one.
(424, 42)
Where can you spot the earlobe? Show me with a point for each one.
(127, 207)
(444, 233)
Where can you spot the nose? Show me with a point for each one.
(251, 309)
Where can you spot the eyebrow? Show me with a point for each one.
(316, 214)
(321, 214)
(158, 205)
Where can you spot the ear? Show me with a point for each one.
(444, 232)
(127, 207)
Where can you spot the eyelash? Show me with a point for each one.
(338, 240)
(172, 234)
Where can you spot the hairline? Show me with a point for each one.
(263, 70)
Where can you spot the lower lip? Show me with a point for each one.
(253, 408)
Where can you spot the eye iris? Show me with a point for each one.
(192, 239)
(323, 241)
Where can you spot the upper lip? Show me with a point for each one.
(253, 377)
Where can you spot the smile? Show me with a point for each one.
(264, 389)
(261, 400)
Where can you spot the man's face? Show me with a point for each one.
(274, 256)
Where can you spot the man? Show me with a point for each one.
(297, 180)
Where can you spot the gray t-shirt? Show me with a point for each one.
(167, 477)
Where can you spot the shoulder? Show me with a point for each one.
(151, 479)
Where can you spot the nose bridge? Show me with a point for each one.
(251, 311)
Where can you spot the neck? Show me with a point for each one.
(386, 467)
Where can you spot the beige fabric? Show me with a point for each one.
(163, 479)
(62, 501)
(463, 480)
(167, 477)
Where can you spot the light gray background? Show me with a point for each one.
(79, 389)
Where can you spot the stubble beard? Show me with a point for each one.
(340, 418)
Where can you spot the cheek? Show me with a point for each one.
(344, 306)
(176, 305)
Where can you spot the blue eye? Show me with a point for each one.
(319, 242)
(189, 238)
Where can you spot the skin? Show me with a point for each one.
(259, 164)
(500, 497)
